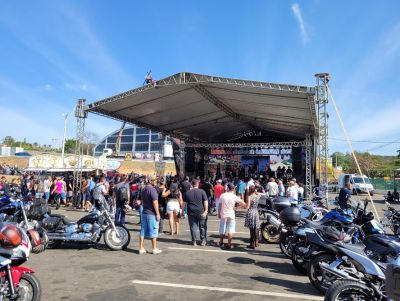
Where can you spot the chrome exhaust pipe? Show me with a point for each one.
(332, 269)
(274, 221)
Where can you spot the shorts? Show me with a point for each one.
(173, 206)
(227, 225)
(149, 226)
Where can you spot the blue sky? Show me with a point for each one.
(54, 52)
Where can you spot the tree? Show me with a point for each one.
(367, 163)
(9, 141)
(90, 140)
(70, 145)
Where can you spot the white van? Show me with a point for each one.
(358, 184)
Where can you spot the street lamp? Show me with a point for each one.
(65, 115)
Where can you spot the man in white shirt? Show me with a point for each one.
(292, 193)
(272, 188)
(228, 202)
(46, 188)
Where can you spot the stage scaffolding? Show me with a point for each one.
(81, 116)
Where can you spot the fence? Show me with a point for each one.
(386, 184)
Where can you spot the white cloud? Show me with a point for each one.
(48, 87)
(76, 87)
(299, 17)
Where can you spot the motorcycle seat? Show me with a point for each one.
(312, 224)
(65, 219)
(358, 248)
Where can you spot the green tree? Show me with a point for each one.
(9, 141)
(70, 145)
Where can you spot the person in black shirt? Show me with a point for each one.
(344, 196)
(161, 189)
(197, 208)
(208, 188)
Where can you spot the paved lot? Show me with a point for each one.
(182, 272)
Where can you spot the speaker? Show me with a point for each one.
(298, 167)
(190, 160)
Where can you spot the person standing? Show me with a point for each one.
(197, 208)
(174, 205)
(228, 203)
(122, 198)
(207, 187)
(252, 220)
(281, 188)
(161, 190)
(292, 193)
(241, 187)
(57, 191)
(46, 188)
(344, 196)
(272, 188)
(150, 217)
(218, 191)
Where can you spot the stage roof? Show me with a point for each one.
(210, 109)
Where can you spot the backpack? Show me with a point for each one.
(122, 193)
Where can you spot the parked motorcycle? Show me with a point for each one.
(271, 229)
(391, 219)
(26, 214)
(361, 278)
(16, 282)
(88, 229)
(375, 244)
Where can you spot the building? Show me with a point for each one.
(142, 143)
(10, 150)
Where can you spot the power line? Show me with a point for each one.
(367, 141)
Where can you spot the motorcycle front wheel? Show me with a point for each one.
(285, 243)
(117, 240)
(28, 288)
(270, 233)
(349, 290)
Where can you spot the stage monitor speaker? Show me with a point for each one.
(190, 160)
(298, 167)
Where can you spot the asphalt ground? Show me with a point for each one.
(77, 272)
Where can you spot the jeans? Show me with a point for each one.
(140, 212)
(162, 210)
(195, 222)
(57, 197)
(47, 196)
(119, 216)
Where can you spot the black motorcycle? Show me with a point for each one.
(89, 229)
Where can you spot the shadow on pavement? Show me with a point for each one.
(292, 286)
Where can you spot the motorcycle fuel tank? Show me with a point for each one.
(89, 219)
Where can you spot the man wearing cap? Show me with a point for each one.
(228, 202)
(218, 191)
(150, 217)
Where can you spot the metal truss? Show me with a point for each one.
(275, 145)
(186, 78)
(81, 116)
(321, 101)
(308, 178)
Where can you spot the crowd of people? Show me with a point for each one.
(165, 201)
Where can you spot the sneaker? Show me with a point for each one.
(194, 244)
(203, 243)
(142, 251)
(156, 251)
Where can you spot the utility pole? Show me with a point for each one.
(65, 115)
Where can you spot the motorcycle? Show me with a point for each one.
(361, 278)
(16, 282)
(391, 219)
(26, 213)
(89, 229)
(375, 244)
(300, 247)
(274, 231)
